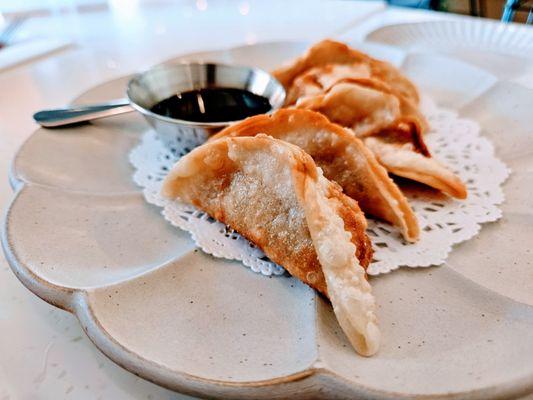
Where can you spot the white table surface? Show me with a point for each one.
(44, 353)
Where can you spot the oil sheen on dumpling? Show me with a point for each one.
(272, 193)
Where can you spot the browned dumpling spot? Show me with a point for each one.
(343, 158)
(332, 52)
(272, 193)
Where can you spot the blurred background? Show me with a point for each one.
(517, 11)
(483, 8)
(60, 19)
(42, 26)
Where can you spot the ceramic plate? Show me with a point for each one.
(505, 50)
(480, 34)
(79, 234)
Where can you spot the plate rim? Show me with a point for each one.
(460, 21)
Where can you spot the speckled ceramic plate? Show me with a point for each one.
(79, 234)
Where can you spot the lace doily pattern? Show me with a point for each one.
(443, 221)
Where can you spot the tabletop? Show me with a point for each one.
(44, 353)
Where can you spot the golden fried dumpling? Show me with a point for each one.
(363, 105)
(389, 126)
(402, 151)
(272, 193)
(317, 80)
(343, 158)
(332, 52)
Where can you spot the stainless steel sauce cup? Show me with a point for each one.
(148, 88)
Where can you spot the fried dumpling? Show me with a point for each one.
(402, 151)
(390, 128)
(317, 80)
(332, 52)
(363, 105)
(343, 158)
(272, 193)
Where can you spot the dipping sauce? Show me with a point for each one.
(213, 105)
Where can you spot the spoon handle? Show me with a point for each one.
(76, 114)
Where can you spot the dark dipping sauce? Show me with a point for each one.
(212, 105)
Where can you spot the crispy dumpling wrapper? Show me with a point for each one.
(363, 105)
(375, 101)
(343, 158)
(390, 126)
(272, 193)
(332, 52)
(402, 151)
(317, 80)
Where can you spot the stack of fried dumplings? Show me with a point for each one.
(299, 182)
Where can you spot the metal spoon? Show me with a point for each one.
(73, 115)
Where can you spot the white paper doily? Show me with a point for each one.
(443, 221)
